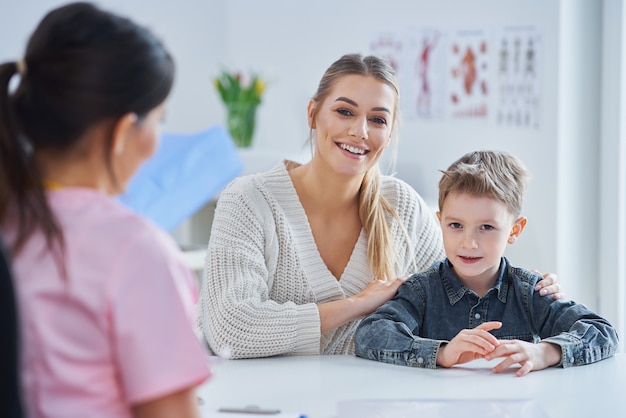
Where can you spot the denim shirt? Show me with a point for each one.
(432, 307)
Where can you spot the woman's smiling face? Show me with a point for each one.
(354, 123)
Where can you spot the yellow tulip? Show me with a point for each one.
(259, 87)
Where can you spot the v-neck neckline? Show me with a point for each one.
(356, 272)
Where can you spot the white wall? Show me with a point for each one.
(193, 30)
(298, 43)
(299, 40)
(292, 43)
(612, 219)
(578, 145)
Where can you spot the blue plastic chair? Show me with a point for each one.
(185, 173)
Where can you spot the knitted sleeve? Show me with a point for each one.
(236, 313)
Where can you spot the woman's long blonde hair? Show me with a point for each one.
(374, 209)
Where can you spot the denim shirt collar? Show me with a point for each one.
(456, 290)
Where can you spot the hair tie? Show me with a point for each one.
(21, 67)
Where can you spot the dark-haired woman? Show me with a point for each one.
(106, 302)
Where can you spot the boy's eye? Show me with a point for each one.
(487, 227)
(455, 225)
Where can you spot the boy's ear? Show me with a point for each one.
(516, 230)
(121, 131)
(438, 213)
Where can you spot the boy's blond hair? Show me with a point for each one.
(495, 174)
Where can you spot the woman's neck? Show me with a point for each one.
(66, 172)
(324, 190)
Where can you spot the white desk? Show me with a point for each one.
(314, 385)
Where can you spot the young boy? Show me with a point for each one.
(474, 304)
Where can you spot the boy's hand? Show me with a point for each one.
(468, 345)
(530, 356)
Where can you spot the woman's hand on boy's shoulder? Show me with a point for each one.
(549, 285)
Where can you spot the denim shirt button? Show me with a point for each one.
(477, 316)
(420, 360)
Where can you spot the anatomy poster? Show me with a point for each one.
(423, 81)
(468, 74)
(518, 77)
(389, 46)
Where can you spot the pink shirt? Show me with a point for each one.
(118, 331)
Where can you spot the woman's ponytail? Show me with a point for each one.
(21, 185)
(375, 212)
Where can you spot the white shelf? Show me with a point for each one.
(195, 258)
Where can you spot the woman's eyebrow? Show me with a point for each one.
(353, 103)
(345, 99)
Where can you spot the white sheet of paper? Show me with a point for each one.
(217, 414)
(435, 408)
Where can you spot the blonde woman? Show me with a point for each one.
(299, 254)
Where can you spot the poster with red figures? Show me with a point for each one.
(423, 84)
(468, 75)
(389, 46)
(518, 89)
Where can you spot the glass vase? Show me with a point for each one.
(241, 118)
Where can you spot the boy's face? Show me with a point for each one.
(476, 231)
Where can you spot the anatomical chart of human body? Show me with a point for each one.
(468, 74)
(488, 75)
(518, 77)
(425, 81)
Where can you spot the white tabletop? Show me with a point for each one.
(315, 385)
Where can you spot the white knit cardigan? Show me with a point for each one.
(264, 276)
